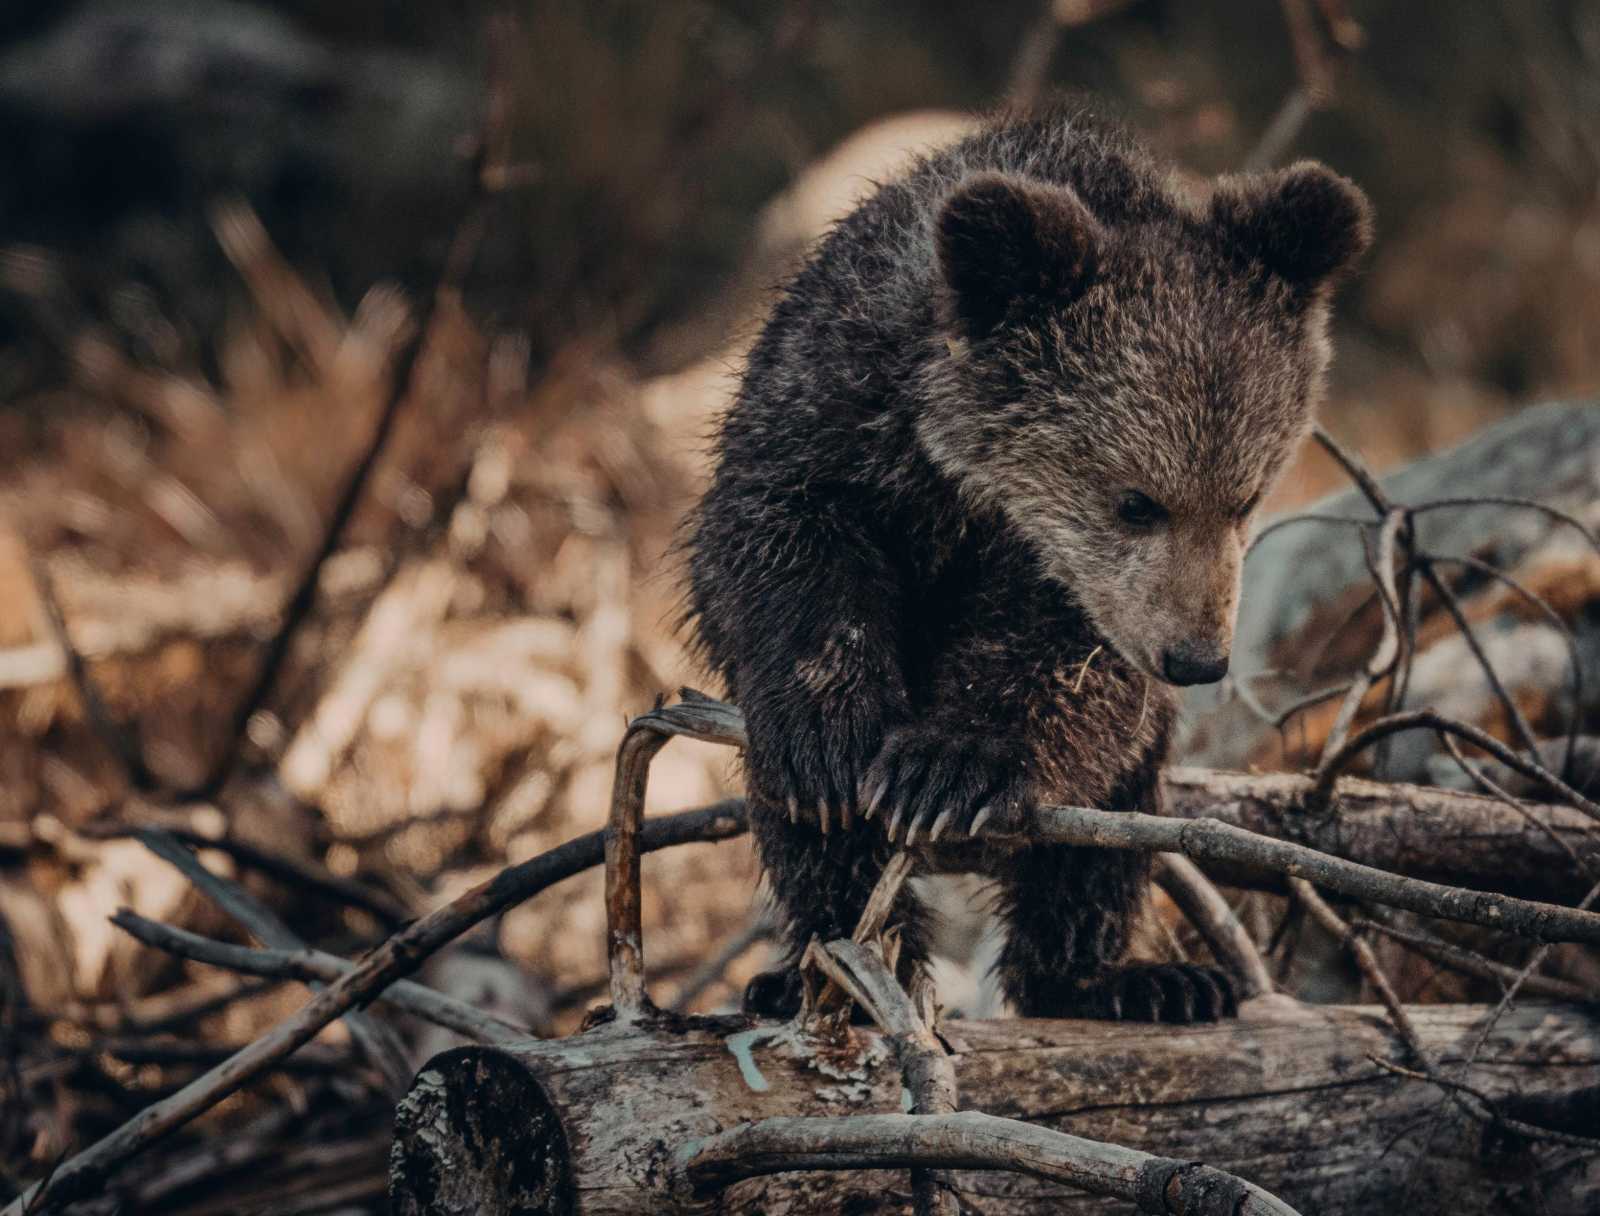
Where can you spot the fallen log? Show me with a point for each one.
(1289, 1098)
(1443, 836)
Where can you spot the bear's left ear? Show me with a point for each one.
(1305, 223)
(1006, 241)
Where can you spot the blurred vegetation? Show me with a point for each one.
(651, 135)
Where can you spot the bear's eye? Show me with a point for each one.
(1138, 510)
(1249, 509)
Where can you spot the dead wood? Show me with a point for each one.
(1443, 836)
(1522, 476)
(1229, 941)
(626, 1118)
(396, 958)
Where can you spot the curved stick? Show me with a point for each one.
(697, 717)
(971, 1141)
(1230, 942)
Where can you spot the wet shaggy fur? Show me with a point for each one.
(980, 501)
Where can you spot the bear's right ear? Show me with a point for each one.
(1305, 223)
(1003, 240)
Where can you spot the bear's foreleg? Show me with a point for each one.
(820, 883)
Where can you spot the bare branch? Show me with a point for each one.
(301, 602)
(1200, 901)
(1469, 635)
(1490, 1113)
(697, 717)
(1030, 65)
(1469, 962)
(827, 1010)
(1211, 840)
(1426, 719)
(757, 929)
(1504, 797)
(1382, 660)
(1365, 960)
(117, 739)
(1553, 618)
(930, 1076)
(308, 964)
(375, 1040)
(298, 874)
(971, 1141)
(396, 958)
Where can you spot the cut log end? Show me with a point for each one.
(501, 1153)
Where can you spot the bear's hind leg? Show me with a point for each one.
(1068, 911)
(821, 884)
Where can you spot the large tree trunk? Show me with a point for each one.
(1287, 1098)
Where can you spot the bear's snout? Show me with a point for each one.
(1189, 663)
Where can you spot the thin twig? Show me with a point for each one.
(1553, 618)
(375, 1040)
(1505, 798)
(1470, 962)
(1030, 65)
(1426, 719)
(1380, 502)
(1352, 941)
(1355, 469)
(1453, 606)
(117, 739)
(1531, 967)
(1527, 504)
(1309, 517)
(1382, 660)
(296, 874)
(300, 604)
(1491, 1113)
(758, 928)
(307, 964)
(1281, 132)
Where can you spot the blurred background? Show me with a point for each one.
(486, 270)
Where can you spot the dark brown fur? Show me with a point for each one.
(924, 566)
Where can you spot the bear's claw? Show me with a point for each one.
(936, 785)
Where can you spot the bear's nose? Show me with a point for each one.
(1189, 664)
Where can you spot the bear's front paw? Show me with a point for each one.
(1159, 992)
(809, 759)
(934, 784)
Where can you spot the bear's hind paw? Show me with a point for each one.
(1175, 993)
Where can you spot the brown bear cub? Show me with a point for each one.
(980, 504)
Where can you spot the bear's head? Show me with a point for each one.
(1126, 391)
